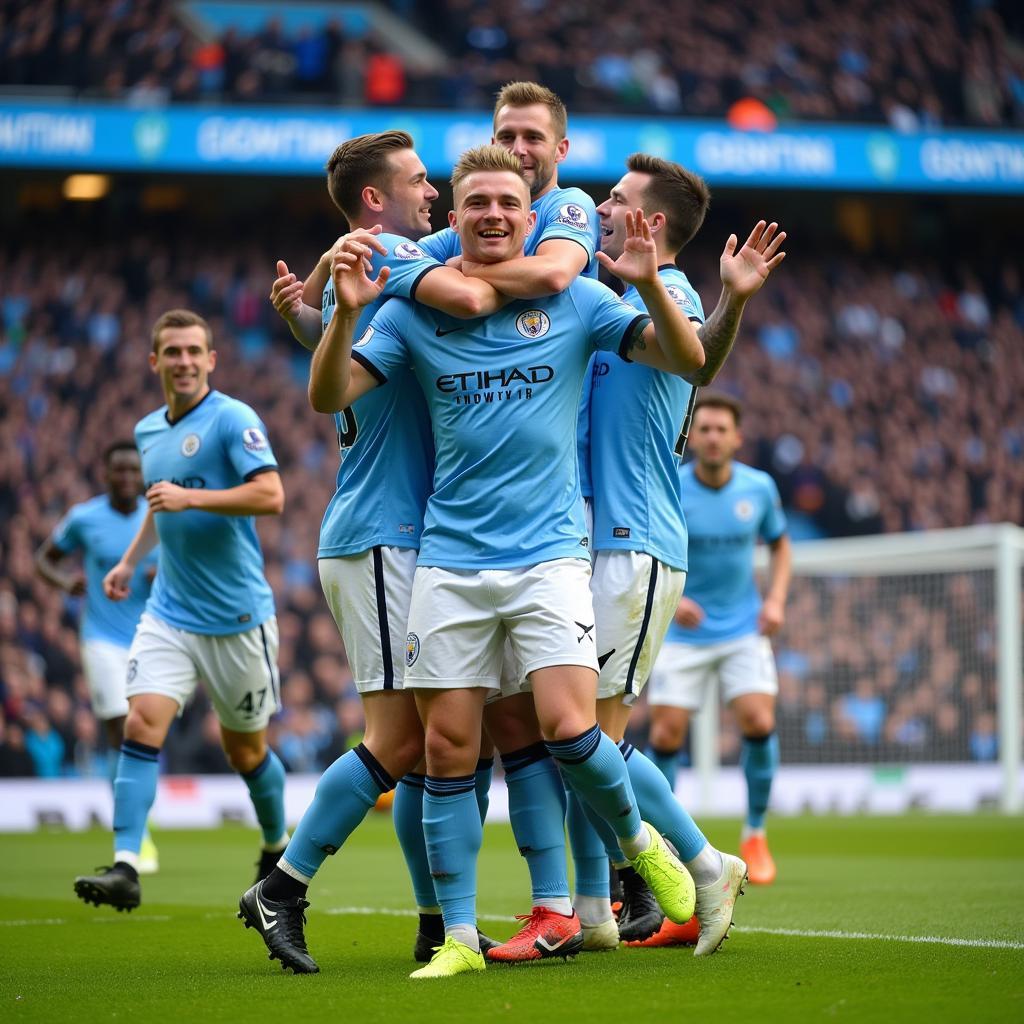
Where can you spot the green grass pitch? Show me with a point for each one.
(184, 956)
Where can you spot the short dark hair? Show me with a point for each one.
(123, 445)
(684, 197)
(718, 400)
(180, 318)
(359, 162)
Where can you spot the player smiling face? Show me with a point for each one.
(529, 134)
(409, 195)
(627, 196)
(183, 360)
(124, 475)
(492, 216)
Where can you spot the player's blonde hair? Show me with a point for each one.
(486, 158)
(359, 162)
(681, 195)
(180, 318)
(525, 94)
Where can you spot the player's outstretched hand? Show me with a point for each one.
(353, 289)
(689, 614)
(286, 293)
(638, 263)
(745, 271)
(117, 582)
(771, 617)
(363, 236)
(167, 497)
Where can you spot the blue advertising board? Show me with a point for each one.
(297, 141)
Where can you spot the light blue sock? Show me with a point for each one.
(592, 764)
(407, 814)
(134, 793)
(759, 757)
(666, 761)
(266, 790)
(345, 792)
(590, 858)
(659, 806)
(113, 758)
(484, 771)
(451, 825)
(536, 807)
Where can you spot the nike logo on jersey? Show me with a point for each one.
(264, 914)
(602, 659)
(451, 330)
(587, 630)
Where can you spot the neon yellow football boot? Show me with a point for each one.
(452, 958)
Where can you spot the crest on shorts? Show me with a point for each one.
(534, 323)
(190, 445)
(412, 649)
(744, 509)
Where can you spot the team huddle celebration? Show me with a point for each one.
(516, 549)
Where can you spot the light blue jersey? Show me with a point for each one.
(561, 213)
(387, 453)
(637, 415)
(503, 393)
(724, 526)
(211, 567)
(103, 534)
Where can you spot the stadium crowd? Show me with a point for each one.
(917, 65)
(879, 398)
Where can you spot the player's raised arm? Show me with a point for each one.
(335, 379)
(670, 341)
(48, 559)
(286, 297)
(117, 582)
(743, 273)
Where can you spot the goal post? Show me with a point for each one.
(899, 650)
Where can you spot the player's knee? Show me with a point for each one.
(758, 724)
(245, 759)
(450, 752)
(141, 727)
(667, 735)
(567, 727)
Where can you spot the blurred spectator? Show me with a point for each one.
(43, 742)
(15, 760)
(921, 64)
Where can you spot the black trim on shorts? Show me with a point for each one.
(651, 587)
(382, 618)
(630, 333)
(270, 667)
(373, 370)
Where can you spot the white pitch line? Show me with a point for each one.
(934, 940)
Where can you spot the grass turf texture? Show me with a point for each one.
(183, 955)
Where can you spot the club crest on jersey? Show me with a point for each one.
(408, 251)
(574, 216)
(364, 338)
(744, 509)
(681, 299)
(190, 445)
(253, 440)
(412, 649)
(534, 323)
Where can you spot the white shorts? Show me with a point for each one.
(239, 670)
(369, 595)
(105, 665)
(683, 672)
(459, 619)
(635, 597)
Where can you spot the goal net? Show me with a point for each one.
(898, 650)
